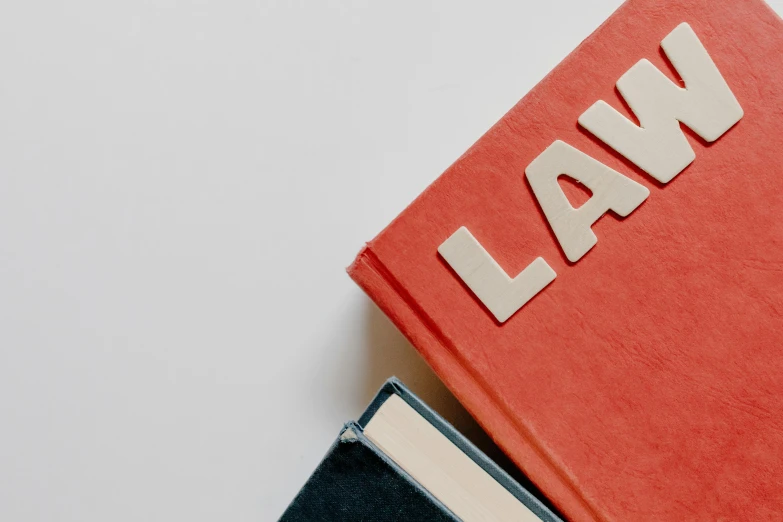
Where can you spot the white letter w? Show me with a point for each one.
(658, 146)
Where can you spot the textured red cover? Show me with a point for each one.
(646, 382)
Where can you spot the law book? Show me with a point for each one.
(403, 461)
(599, 279)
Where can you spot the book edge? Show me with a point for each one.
(395, 386)
(566, 497)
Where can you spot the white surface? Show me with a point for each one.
(181, 187)
(441, 467)
(609, 189)
(501, 294)
(706, 105)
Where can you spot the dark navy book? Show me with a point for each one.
(403, 461)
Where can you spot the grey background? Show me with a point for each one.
(181, 186)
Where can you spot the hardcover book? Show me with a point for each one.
(598, 278)
(402, 461)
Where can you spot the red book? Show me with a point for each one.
(631, 366)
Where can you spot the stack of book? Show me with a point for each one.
(598, 281)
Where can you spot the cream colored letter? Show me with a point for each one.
(611, 191)
(658, 146)
(483, 275)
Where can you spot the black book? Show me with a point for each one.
(403, 461)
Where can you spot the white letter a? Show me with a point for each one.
(611, 191)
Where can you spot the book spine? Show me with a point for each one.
(381, 286)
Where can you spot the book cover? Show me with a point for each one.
(355, 481)
(621, 349)
(360, 479)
